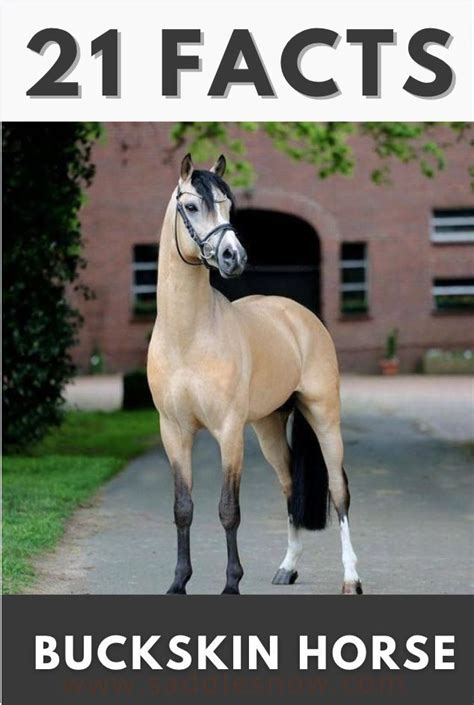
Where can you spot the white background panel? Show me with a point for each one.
(272, 25)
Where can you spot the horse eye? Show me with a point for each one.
(191, 208)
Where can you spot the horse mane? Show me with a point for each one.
(205, 182)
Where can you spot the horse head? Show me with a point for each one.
(203, 231)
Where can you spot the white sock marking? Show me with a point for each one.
(349, 558)
(295, 548)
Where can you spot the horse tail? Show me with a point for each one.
(308, 505)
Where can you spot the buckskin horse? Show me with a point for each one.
(219, 365)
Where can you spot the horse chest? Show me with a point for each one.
(193, 388)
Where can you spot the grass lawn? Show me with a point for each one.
(42, 488)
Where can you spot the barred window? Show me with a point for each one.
(144, 276)
(354, 290)
(452, 225)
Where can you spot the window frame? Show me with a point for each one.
(451, 237)
(451, 290)
(143, 266)
(354, 286)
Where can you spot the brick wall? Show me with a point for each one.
(136, 174)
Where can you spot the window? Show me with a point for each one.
(452, 225)
(145, 271)
(354, 285)
(455, 294)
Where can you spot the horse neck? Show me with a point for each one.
(184, 297)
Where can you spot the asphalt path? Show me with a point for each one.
(412, 517)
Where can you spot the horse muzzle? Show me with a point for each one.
(231, 259)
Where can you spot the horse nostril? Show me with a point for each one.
(228, 254)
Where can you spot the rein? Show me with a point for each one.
(206, 248)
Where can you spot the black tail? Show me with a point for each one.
(309, 501)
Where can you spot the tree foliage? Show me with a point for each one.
(326, 146)
(45, 167)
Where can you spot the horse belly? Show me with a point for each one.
(274, 380)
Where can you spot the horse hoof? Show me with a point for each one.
(176, 590)
(230, 591)
(284, 577)
(352, 587)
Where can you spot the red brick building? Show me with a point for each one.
(368, 258)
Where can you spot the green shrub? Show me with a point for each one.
(97, 362)
(45, 167)
(391, 345)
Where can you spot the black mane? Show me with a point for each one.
(205, 181)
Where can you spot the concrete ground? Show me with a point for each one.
(95, 393)
(412, 508)
(442, 405)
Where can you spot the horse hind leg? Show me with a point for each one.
(325, 422)
(271, 434)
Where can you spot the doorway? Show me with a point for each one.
(283, 258)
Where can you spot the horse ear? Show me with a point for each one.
(187, 167)
(219, 166)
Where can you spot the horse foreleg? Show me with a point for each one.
(271, 434)
(178, 445)
(231, 444)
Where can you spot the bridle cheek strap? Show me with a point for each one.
(207, 249)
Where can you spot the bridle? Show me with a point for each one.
(207, 249)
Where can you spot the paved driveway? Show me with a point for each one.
(412, 514)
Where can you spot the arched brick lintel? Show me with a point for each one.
(285, 201)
